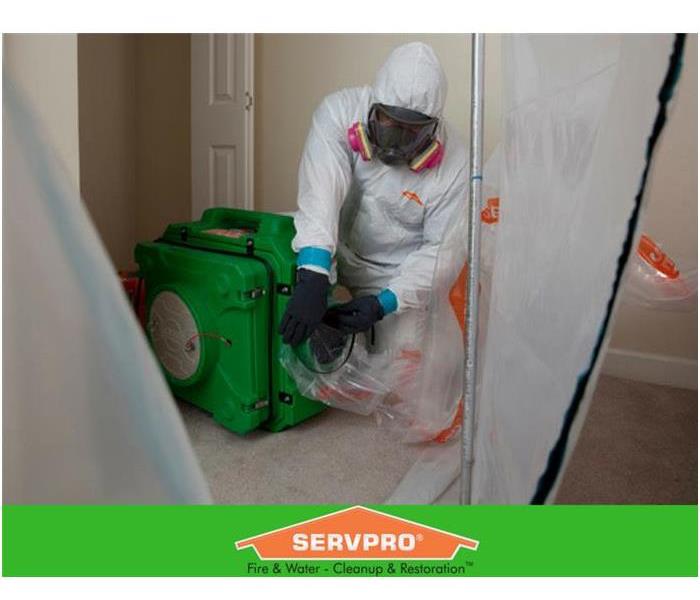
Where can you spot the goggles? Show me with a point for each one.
(399, 134)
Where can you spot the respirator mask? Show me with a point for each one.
(397, 136)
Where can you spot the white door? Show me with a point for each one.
(222, 121)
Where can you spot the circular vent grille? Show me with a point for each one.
(174, 335)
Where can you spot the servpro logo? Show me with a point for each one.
(357, 533)
(321, 542)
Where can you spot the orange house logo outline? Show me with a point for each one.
(357, 533)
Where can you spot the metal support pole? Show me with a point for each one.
(472, 291)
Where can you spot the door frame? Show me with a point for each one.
(249, 45)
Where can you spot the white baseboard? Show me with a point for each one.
(651, 368)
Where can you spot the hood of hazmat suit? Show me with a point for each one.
(379, 229)
(412, 78)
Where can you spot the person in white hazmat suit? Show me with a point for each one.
(381, 177)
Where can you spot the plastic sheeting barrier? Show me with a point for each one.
(581, 116)
(87, 415)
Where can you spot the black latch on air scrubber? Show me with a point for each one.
(250, 246)
(286, 398)
(258, 292)
(284, 289)
(184, 233)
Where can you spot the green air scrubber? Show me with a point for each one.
(216, 290)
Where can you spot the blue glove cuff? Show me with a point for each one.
(388, 300)
(316, 257)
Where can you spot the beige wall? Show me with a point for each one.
(163, 181)
(134, 136)
(294, 72)
(671, 219)
(107, 87)
(45, 68)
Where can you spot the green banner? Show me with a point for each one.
(485, 540)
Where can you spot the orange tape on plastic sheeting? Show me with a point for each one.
(490, 213)
(657, 258)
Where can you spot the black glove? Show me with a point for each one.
(327, 343)
(357, 315)
(306, 307)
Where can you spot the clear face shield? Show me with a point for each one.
(399, 134)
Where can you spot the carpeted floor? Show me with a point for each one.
(638, 445)
(335, 457)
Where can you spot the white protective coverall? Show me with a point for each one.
(382, 224)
